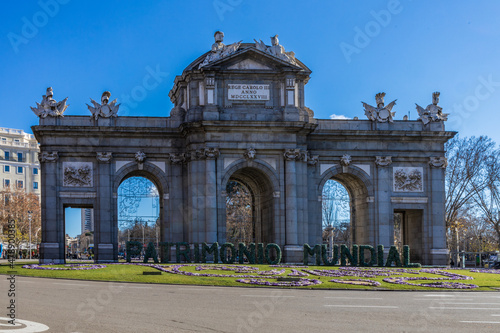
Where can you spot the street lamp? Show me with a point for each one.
(29, 220)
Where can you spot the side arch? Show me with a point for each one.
(158, 178)
(360, 189)
(148, 170)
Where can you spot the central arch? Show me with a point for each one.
(360, 189)
(259, 181)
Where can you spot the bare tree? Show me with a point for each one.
(467, 160)
(487, 198)
(335, 213)
(239, 220)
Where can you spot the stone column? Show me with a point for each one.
(105, 231)
(196, 197)
(437, 225)
(211, 195)
(292, 250)
(176, 204)
(53, 241)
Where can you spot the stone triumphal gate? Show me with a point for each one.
(239, 114)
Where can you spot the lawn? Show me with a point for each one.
(313, 277)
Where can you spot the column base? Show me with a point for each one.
(293, 254)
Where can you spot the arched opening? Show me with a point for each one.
(138, 213)
(249, 207)
(358, 187)
(336, 215)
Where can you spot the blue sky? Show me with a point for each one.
(355, 49)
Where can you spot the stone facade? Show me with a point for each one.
(239, 114)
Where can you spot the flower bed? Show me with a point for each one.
(262, 282)
(357, 282)
(69, 267)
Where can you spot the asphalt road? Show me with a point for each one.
(85, 306)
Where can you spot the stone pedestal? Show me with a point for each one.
(292, 254)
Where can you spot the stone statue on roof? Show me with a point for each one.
(432, 112)
(380, 113)
(49, 106)
(276, 50)
(219, 49)
(106, 109)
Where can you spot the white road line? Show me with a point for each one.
(362, 298)
(467, 303)
(453, 308)
(496, 315)
(275, 296)
(480, 322)
(71, 284)
(363, 306)
(460, 297)
(433, 300)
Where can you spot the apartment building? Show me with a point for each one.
(19, 166)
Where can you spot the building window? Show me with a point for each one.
(20, 184)
(4, 141)
(20, 157)
(7, 155)
(6, 182)
(19, 170)
(7, 199)
(35, 171)
(35, 185)
(6, 168)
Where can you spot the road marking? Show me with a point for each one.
(454, 303)
(277, 296)
(496, 315)
(460, 297)
(363, 306)
(480, 322)
(453, 308)
(354, 298)
(140, 287)
(434, 300)
(29, 326)
(71, 284)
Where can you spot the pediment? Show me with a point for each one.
(249, 64)
(247, 57)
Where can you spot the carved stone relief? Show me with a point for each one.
(292, 154)
(77, 174)
(250, 154)
(345, 160)
(48, 157)
(408, 179)
(140, 156)
(383, 161)
(104, 157)
(438, 162)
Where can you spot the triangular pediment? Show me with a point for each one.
(247, 57)
(249, 64)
